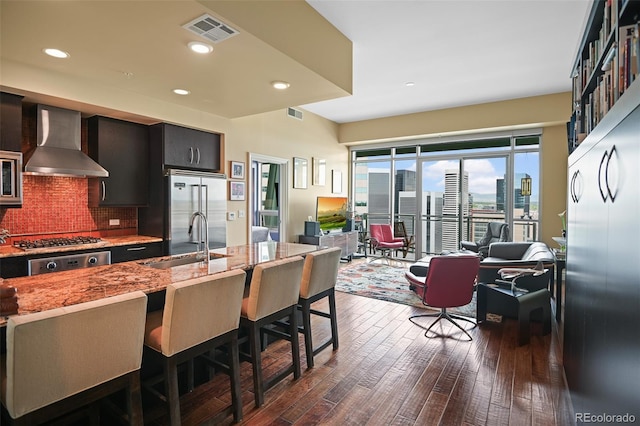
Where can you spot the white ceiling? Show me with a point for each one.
(457, 52)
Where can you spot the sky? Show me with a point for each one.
(483, 172)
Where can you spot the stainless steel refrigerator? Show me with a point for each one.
(191, 192)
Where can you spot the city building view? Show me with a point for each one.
(448, 208)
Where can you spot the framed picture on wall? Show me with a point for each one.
(236, 191)
(300, 171)
(237, 170)
(319, 171)
(336, 182)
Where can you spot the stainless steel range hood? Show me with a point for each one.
(58, 151)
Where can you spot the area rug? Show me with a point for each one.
(386, 282)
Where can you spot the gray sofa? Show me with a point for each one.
(500, 255)
(514, 255)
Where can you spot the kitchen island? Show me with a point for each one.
(50, 291)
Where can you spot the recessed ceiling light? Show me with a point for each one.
(56, 53)
(181, 91)
(280, 85)
(409, 84)
(198, 47)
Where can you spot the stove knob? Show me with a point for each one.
(93, 260)
(52, 265)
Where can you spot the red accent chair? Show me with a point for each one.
(450, 283)
(382, 239)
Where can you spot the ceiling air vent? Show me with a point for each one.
(292, 112)
(210, 28)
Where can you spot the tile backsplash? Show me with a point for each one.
(59, 205)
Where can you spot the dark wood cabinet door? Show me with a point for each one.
(135, 252)
(122, 148)
(193, 149)
(10, 122)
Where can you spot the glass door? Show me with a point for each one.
(439, 203)
(486, 196)
(458, 198)
(268, 201)
(405, 201)
(526, 196)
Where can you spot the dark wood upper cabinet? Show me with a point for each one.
(186, 148)
(122, 148)
(10, 122)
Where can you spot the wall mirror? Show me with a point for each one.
(300, 171)
(336, 182)
(319, 171)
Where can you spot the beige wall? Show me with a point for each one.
(549, 112)
(535, 111)
(276, 135)
(553, 188)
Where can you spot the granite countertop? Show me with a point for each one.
(7, 250)
(48, 291)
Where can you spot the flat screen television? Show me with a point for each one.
(331, 213)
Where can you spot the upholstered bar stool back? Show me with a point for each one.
(273, 295)
(54, 356)
(199, 315)
(274, 286)
(195, 311)
(318, 281)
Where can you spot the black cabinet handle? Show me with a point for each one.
(136, 248)
(612, 163)
(576, 186)
(602, 170)
(198, 157)
(190, 155)
(104, 191)
(607, 172)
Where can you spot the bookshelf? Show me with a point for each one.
(601, 338)
(607, 64)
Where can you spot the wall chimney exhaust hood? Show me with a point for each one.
(58, 151)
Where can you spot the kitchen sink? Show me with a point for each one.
(170, 262)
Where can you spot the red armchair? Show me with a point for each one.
(382, 239)
(450, 283)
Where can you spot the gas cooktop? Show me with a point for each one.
(55, 242)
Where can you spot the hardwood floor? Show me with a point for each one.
(386, 372)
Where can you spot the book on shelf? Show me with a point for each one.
(609, 63)
(628, 56)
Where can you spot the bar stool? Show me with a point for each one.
(199, 315)
(273, 295)
(50, 367)
(318, 281)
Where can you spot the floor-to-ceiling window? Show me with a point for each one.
(448, 191)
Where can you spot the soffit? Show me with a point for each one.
(140, 48)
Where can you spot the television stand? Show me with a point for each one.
(347, 241)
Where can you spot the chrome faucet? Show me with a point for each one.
(205, 243)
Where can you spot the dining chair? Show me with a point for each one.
(63, 359)
(319, 277)
(199, 315)
(272, 296)
(400, 231)
(450, 283)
